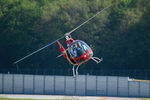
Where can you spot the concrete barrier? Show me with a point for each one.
(83, 85)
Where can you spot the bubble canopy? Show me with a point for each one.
(79, 48)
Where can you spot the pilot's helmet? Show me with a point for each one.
(79, 44)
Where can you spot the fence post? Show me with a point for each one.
(23, 84)
(33, 84)
(128, 88)
(3, 83)
(139, 90)
(75, 86)
(117, 85)
(96, 85)
(54, 84)
(44, 84)
(106, 85)
(85, 84)
(64, 85)
(149, 89)
(13, 83)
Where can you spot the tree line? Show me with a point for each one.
(120, 35)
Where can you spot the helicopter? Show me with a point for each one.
(77, 52)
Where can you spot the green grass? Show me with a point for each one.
(29, 99)
(146, 99)
(13, 99)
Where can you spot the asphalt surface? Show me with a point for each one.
(52, 97)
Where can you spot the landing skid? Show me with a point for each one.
(75, 72)
(97, 60)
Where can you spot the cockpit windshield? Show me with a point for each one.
(78, 48)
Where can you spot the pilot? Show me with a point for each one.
(77, 50)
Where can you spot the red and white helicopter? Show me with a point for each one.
(77, 52)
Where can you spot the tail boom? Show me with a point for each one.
(62, 49)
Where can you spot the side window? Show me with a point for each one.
(78, 48)
(85, 48)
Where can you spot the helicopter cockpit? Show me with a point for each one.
(78, 49)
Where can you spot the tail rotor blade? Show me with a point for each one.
(37, 50)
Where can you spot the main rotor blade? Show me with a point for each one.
(87, 21)
(38, 50)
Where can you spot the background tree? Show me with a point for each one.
(120, 35)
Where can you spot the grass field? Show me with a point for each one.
(32, 99)
(29, 99)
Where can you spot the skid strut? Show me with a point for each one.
(97, 60)
(75, 72)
